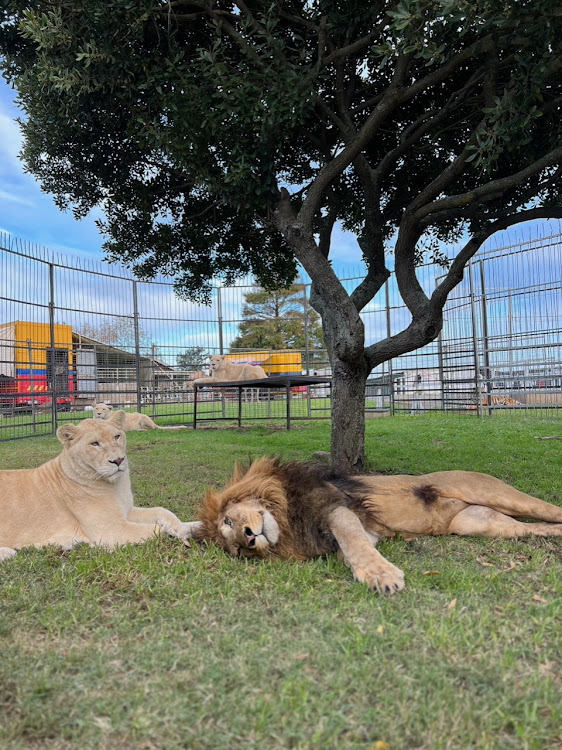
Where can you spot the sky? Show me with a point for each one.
(27, 213)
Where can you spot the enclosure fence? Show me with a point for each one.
(73, 333)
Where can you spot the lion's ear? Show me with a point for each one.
(118, 419)
(239, 472)
(210, 508)
(66, 433)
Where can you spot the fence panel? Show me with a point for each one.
(72, 333)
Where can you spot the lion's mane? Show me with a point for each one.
(299, 495)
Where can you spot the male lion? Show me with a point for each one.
(223, 371)
(134, 421)
(82, 495)
(300, 510)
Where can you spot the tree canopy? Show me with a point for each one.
(192, 359)
(226, 137)
(278, 319)
(118, 332)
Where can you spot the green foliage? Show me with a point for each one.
(193, 359)
(183, 121)
(276, 320)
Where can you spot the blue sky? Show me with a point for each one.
(25, 211)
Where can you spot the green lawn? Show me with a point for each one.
(158, 646)
(271, 407)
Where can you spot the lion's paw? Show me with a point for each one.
(6, 553)
(178, 529)
(386, 579)
(188, 529)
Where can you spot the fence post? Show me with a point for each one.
(137, 345)
(306, 341)
(388, 330)
(221, 350)
(54, 416)
(31, 384)
(440, 368)
(153, 357)
(219, 320)
(475, 341)
(485, 338)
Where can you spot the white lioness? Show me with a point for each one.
(82, 495)
(134, 422)
(223, 371)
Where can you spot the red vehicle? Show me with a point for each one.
(31, 368)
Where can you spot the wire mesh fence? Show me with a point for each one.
(76, 333)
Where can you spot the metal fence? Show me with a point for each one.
(72, 333)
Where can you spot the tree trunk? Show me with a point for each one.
(344, 335)
(348, 415)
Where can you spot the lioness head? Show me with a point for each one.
(102, 411)
(217, 362)
(249, 517)
(94, 449)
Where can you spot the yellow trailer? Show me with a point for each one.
(31, 365)
(283, 361)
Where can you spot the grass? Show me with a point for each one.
(158, 646)
(271, 407)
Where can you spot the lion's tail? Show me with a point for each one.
(172, 427)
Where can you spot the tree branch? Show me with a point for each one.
(351, 49)
(455, 273)
(494, 187)
(394, 96)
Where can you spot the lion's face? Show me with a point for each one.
(95, 449)
(248, 518)
(102, 411)
(247, 529)
(217, 362)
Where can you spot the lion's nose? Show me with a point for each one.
(117, 461)
(250, 536)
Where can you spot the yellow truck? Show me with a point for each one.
(279, 362)
(31, 368)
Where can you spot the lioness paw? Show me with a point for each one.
(177, 528)
(386, 580)
(171, 527)
(189, 528)
(6, 553)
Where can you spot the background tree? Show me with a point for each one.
(118, 332)
(193, 359)
(228, 137)
(276, 320)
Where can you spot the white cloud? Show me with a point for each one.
(344, 248)
(5, 196)
(10, 141)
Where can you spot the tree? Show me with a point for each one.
(119, 332)
(279, 319)
(228, 137)
(193, 359)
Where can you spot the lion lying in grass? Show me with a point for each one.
(82, 495)
(134, 421)
(301, 510)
